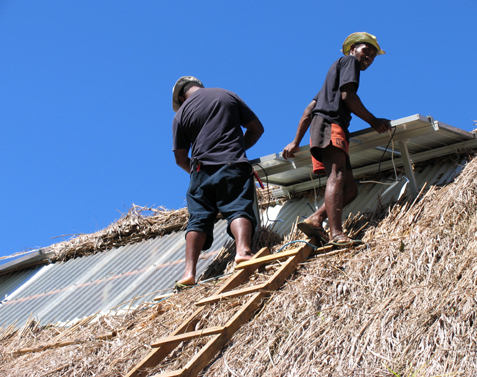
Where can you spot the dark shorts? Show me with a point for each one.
(228, 189)
(322, 135)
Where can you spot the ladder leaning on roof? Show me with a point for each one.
(220, 335)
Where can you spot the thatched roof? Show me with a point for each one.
(403, 305)
(138, 224)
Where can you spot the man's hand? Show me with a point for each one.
(289, 150)
(303, 124)
(381, 124)
(182, 159)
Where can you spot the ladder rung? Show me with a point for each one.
(284, 254)
(267, 258)
(189, 335)
(230, 294)
(161, 297)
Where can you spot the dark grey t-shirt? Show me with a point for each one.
(328, 100)
(209, 124)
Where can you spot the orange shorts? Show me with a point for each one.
(338, 140)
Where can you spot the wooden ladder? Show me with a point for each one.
(220, 335)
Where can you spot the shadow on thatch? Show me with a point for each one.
(403, 305)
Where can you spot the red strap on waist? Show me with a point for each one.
(258, 179)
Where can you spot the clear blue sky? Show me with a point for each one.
(85, 90)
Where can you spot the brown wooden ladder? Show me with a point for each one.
(220, 335)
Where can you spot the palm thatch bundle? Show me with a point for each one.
(403, 305)
(138, 224)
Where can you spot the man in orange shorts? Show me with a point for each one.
(329, 115)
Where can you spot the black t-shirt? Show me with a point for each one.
(208, 123)
(328, 100)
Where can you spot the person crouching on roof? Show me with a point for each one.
(329, 114)
(208, 123)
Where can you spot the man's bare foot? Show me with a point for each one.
(342, 240)
(187, 280)
(243, 257)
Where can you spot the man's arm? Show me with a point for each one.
(352, 100)
(290, 149)
(254, 131)
(182, 159)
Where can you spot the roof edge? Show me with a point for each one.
(36, 258)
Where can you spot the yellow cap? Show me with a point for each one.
(361, 37)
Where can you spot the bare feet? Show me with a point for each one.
(343, 240)
(187, 280)
(243, 256)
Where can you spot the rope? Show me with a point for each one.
(378, 174)
(392, 154)
(314, 247)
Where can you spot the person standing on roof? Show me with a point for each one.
(208, 123)
(329, 114)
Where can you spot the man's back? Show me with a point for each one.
(208, 123)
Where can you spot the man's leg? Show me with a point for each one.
(350, 192)
(340, 189)
(194, 243)
(235, 197)
(241, 229)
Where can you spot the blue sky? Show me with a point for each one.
(85, 90)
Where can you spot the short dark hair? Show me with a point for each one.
(187, 86)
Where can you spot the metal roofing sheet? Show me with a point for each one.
(11, 281)
(130, 274)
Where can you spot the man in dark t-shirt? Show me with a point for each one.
(208, 122)
(329, 114)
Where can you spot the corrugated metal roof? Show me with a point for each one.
(12, 281)
(130, 274)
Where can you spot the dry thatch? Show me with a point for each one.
(403, 305)
(138, 224)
